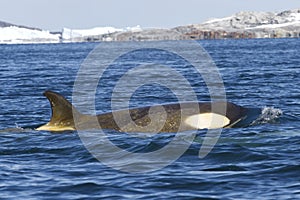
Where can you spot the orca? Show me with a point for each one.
(177, 117)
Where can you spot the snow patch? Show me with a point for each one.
(134, 29)
(294, 17)
(273, 26)
(217, 20)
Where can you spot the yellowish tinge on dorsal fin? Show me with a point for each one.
(62, 113)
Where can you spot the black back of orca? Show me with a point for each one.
(178, 117)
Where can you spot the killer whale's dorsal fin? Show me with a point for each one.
(62, 113)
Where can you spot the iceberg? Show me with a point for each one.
(17, 35)
(96, 34)
(14, 34)
(73, 34)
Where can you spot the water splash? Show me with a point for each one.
(17, 126)
(268, 115)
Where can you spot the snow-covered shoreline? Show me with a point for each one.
(239, 25)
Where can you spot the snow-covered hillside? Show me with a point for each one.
(255, 20)
(248, 24)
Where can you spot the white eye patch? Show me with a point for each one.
(207, 120)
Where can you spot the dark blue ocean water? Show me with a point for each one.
(261, 161)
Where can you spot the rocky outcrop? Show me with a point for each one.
(146, 35)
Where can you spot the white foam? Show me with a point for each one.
(268, 115)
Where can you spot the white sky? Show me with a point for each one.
(81, 14)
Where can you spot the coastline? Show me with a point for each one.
(242, 25)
